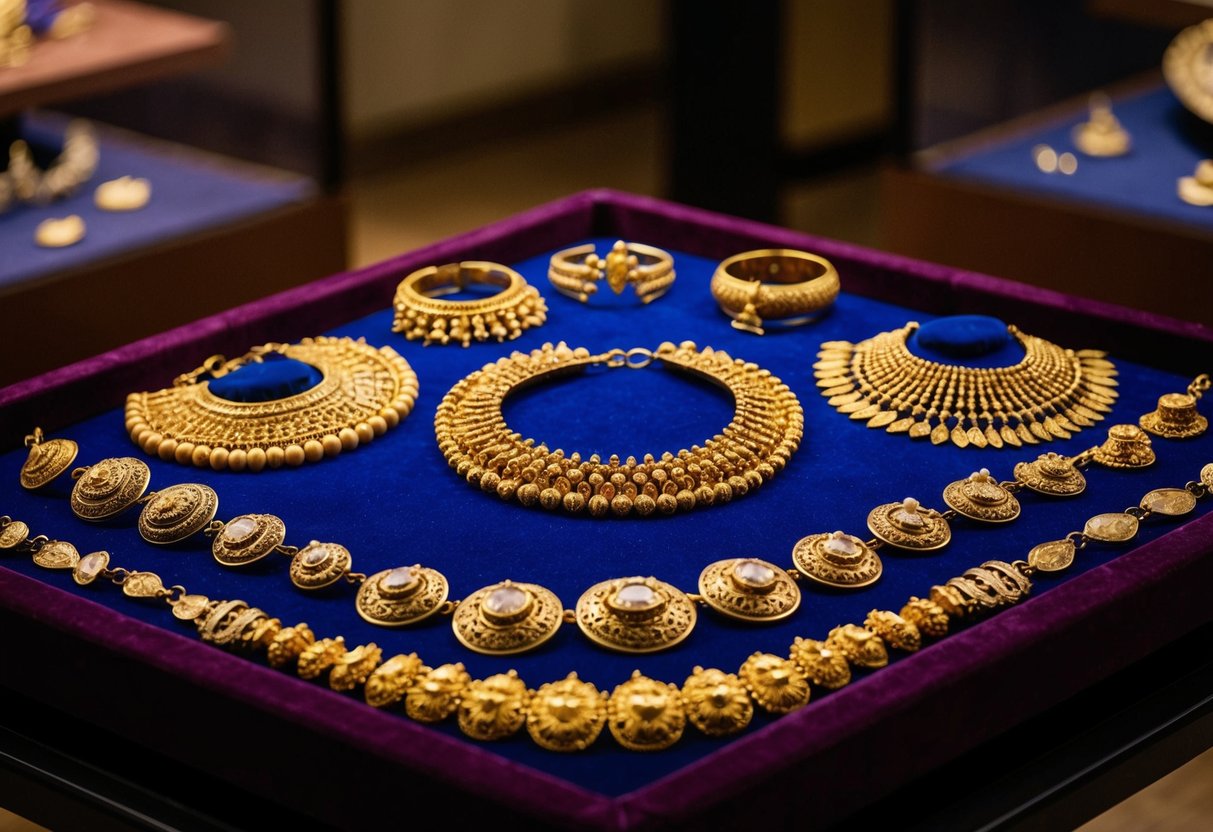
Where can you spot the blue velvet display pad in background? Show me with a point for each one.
(1143, 182)
(395, 502)
(192, 192)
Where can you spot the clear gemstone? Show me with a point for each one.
(1112, 528)
(239, 529)
(399, 578)
(841, 546)
(1170, 501)
(636, 597)
(90, 566)
(316, 555)
(505, 600)
(754, 573)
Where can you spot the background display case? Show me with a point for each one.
(225, 230)
(284, 745)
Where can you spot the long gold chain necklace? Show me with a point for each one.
(641, 713)
(1052, 393)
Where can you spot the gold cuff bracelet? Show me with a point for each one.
(780, 286)
(422, 313)
(575, 272)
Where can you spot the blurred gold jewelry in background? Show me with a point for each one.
(1103, 134)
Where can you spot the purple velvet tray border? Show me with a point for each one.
(820, 763)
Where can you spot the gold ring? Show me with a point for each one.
(576, 271)
(774, 286)
(423, 314)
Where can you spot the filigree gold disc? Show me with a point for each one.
(400, 596)
(838, 560)
(507, 618)
(248, 538)
(749, 589)
(178, 512)
(635, 615)
(1051, 474)
(981, 498)
(907, 525)
(318, 565)
(46, 461)
(109, 488)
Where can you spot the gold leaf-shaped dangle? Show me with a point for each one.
(976, 437)
(939, 434)
(901, 425)
(959, 437)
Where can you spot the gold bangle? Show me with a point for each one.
(478, 444)
(423, 315)
(775, 286)
(363, 391)
(575, 272)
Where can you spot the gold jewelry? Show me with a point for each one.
(1176, 416)
(422, 314)
(642, 713)
(774, 287)
(576, 271)
(1051, 393)
(363, 392)
(635, 615)
(478, 444)
(837, 560)
(1197, 189)
(1185, 65)
(1103, 135)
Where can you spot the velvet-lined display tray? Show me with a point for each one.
(395, 501)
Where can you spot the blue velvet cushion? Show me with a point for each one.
(964, 335)
(275, 377)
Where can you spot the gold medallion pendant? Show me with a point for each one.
(177, 512)
(507, 618)
(1127, 446)
(109, 487)
(981, 498)
(907, 525)
(635, 615)
(838, 560)
(13, 534)
(1176, 416)
(56, 554)
(1051, 474)
(248, 538)
(646, 715)
(400, 596)
(363, 391)
(318, 565)
(47, 459)
(749, 589)
(1054, 556)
